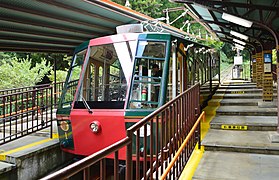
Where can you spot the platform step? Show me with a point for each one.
(240, 96)
(246, 111)
(238, 87)
(250, 123)
(242, 91)
(6, 168)
(239, 91)
(240, 102)
(236, 83)
(240, 141)
(229, 165)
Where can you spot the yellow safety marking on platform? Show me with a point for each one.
(4, 154)
(237, 92)
(55, 135)
(233, 127)
(192, 164)
(214, 102)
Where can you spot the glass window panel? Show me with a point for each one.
(151, 49)
(146, 83)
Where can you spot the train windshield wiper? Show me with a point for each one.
(86, 105)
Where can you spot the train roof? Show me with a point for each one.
(180, 37)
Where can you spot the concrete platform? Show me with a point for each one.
(228, 165)
(32, 156)
(240, 96)
(253, 123)
(14, 151)
(246, 111)
(240, 141)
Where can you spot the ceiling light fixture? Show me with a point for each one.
(239, 46)
(239, 42)
(236, 34)
(237, 20)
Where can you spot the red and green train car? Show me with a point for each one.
(115, 81)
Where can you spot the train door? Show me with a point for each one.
(177, 80)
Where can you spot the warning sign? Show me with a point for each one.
(233, 127)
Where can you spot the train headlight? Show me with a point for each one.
(64, 126)
(95, 127)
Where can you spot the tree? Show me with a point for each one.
(154, 9)
(19, 73)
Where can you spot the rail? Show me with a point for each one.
(151, 143)
(24, 113)
(182, 147)
(85, 163)
(57, 89)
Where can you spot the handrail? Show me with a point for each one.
(87, 161)
(183, 145)
(29, 87)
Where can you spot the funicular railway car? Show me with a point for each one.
(123, 78)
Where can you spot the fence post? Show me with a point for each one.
(197, 131)
(51, 108)
(129, 167)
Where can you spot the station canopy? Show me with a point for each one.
(263, 14)
(58, 25)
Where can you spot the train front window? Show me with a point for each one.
(108, 70)
(148, 71)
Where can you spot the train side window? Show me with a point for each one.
(145, 92)
(72, 79)
(176, 77)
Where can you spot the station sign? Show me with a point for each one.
(238, 60)
(267, 62)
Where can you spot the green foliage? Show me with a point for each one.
(60, 75)
(6, 57)
(227, 49)
(121, 2)
(19, 73)
(150, 8)
(215, 44)
(225, 60)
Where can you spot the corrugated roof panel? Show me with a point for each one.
(203, 12)
(215, 27)
(221, 35)
(49, 25)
